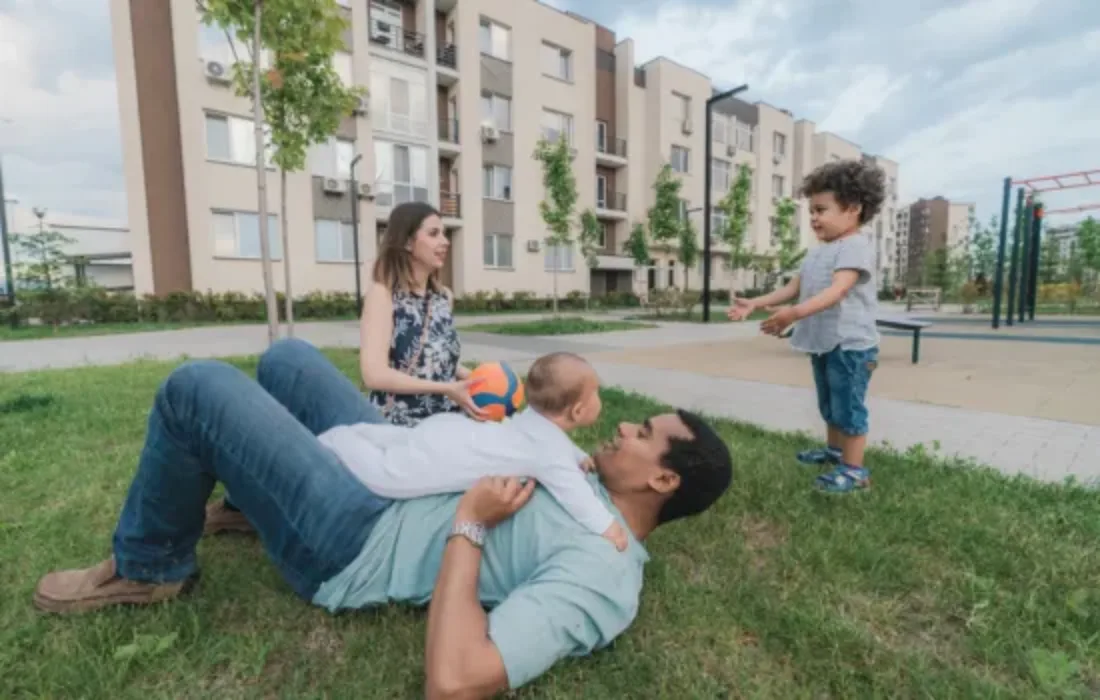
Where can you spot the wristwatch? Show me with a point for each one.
(473, 531)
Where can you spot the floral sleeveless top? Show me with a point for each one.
(437, 361)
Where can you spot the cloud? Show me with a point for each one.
(61, 147)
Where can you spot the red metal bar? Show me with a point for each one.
(1091, 179)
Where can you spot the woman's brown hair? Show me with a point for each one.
(393, 268)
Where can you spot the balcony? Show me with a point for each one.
(450, 205)
(448, 135)
(446, 55)
(397, 38)
(611, 205)
(611, 152)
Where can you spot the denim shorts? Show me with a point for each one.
(841, 377)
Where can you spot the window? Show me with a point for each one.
(718, 125)
(557, 62)
(682, 106)
(559, 258)
(601, 136)
(601, 191)
(779, 143)
(498, 250)
(556, 125)
(497, 110)
(744, 134)
(605, 235)
(402, 173)
(398, 97)
(232, 140)
(498, 182)
(341, 63)
(495, 40)
(682, 213)
(718, 223)
(385, 22)
(680, 159)
(332, 158)
(720, 175)
(777, 185)
(237, 235)
(335, 241)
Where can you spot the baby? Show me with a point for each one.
(449, 452)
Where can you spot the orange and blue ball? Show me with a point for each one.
(496, 389)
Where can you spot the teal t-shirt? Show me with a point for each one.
(554, 588)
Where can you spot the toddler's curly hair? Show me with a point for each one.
(851, 182)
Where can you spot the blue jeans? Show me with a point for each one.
(841, 377)
(210, 422)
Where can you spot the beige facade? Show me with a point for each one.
(460, 91)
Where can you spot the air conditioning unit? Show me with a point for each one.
(334, 185)
(687, 128)
(216, 72)
(731, 150)
(384, 199)
(489, 133)
(533, 246)
(365, 191)
(360, 109)
(777, 158)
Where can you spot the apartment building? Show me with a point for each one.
(935, 224)
(901, 251)
(459, 94)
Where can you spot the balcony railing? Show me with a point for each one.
(448, 130)
(447, 55)
(614, 201)
(450, 205)
(613, 147)
(398, 39)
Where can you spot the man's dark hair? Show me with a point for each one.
(851, 182)
(705, 467)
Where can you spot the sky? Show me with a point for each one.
(961, 93)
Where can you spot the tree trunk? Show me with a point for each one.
(286, 255)
(555, 274)
(261, 180)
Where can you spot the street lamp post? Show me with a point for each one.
(706, 193)
(8, 278)
(355, 236)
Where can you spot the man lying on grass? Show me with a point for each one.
(554, 588)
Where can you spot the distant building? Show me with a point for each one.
(935, 224)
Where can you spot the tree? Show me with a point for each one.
(304, 98)
(665, 225)
(297, 89)
(789, 251)
(1088, 244)
(39, 258)
(1050, 260)
(561, 198)
(591, 229)
(983, 248)
(688, 248)
(735, 207)
(637, 247)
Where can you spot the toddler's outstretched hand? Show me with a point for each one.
(741, 309)
(587, 464)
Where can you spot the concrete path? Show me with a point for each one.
(1048, 450)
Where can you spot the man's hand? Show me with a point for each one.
(494, 499)
(741, 309)
(779, 321)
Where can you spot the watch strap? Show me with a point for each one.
(471, 530)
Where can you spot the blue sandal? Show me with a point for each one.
(844, 479)
(819, 456)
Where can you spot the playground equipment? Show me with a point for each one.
(1027, 237)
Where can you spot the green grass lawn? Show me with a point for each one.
(940, 583)
(562, 325)
(696, 316)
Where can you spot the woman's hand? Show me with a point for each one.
(459, 392)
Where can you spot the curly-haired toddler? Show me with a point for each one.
(835, 314)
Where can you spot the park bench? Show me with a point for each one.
(901, 323)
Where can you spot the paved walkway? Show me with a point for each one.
(1049, 450)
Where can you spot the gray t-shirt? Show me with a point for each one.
(850, 323)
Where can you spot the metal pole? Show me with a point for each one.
(1016, 227)
(998, 279)
(9, 278)
(1036, 248)
(355, 236)
(1025, 265)
(707, 148)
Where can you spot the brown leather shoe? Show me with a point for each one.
(219, 518)
(84, 590)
